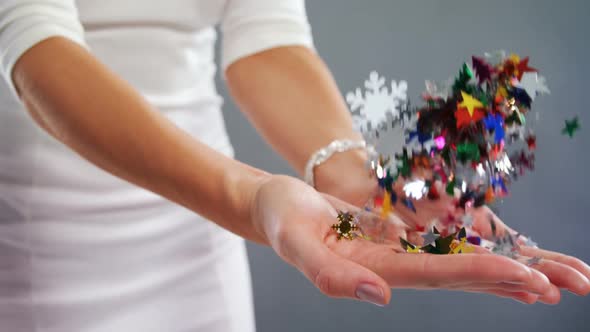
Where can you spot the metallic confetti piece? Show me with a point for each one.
(571, 126)
(409, 204)
(430, 238)
(533, 84)
(468, 139)
(346, 227)
(533, 261)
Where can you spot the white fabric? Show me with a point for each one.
(82, 251)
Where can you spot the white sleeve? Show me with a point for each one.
(24, 23)
(252, 26)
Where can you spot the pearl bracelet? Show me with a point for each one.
(323, 154)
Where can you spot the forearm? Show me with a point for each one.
(289, 95)
(87, 107)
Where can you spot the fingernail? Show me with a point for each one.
(370, 293)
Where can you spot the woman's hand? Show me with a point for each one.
(296, 221)
(563, 271)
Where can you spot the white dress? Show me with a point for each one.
(82, 251)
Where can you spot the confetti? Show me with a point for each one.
(346, 227)
(467, 130)
(430, 237)
(571, 126)
(533, 261)
(469, 139)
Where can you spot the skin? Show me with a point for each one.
(298, 111)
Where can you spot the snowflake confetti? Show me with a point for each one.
(371, 108)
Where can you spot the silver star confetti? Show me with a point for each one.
(430, 238)
(533, 84)
(533, 261)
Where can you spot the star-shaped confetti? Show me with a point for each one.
(462, 247)
(408, 247)
(471, 138)
(430, 237)
(571, 126)
(533, 84)
(533, 261)
(495, 123)
(468, 152)
(441, 246)
(531, 141)
(482, 69)
(464, 118)
(522, 67)
(470, 103)
(409, 204)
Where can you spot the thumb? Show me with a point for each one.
(339, 277)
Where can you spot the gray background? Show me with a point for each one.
(428, 39)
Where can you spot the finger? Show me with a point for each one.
(501, 286)
(523, 297)
(561, 275)
(410, 270)
(404, 270)
(573, 262)
(551, 297)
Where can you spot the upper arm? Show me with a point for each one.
(252, 26)
(25, 23)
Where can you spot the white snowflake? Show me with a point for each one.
(377, 102)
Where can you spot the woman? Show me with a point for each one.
(114, 156)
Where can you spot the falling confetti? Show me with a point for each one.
(571, 126)
(469, 139)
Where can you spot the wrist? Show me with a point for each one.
(255, 208)
(346, 175)
(243, 188)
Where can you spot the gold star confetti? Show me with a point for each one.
(470, 103)
(462, 247)
(346, 227)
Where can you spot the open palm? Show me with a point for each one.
(296, 220)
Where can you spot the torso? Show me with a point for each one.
(81, 250)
